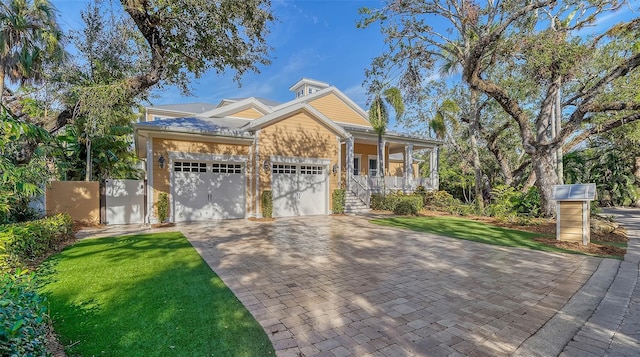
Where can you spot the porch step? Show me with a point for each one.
(354, 205)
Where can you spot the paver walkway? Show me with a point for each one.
(614, 328)
(341, 286)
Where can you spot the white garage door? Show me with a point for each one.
(299, 190)
(205, 191)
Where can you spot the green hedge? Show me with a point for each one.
(398, 202)
(339, 197)
(267, 204)
(162, 206)
(23, 316)
(21, 242)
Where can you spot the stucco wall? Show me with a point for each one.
(80, 199)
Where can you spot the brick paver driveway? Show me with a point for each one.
(341, 286)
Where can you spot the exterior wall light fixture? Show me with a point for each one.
(161, 161)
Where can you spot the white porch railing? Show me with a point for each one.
(362, 186)
(360, 190)
(395, 183)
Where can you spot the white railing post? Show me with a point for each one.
(349, 161)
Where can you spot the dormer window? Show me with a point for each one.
(307, 86)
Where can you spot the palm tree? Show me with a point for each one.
(29, 39)
(379, 117)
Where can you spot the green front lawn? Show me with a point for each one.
(146, 295)
(472, 230)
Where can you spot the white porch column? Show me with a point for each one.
(349, 161)
(433, 165)
(150, 213)
(381, 160)
(408, 166)
(408, 161)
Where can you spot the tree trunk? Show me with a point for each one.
(477, 168)
(546, 177)
(2, 74)
(636, 173)
(558, 126)
(380, 157)
(529, 183)
(87, 175)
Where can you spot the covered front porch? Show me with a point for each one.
(362, 169)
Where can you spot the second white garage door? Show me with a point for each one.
(207, 191)
(299, 190)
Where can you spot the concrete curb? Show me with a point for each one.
(552, 338)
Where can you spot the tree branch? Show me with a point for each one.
(598, 129)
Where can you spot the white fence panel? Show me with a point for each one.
(124, 201)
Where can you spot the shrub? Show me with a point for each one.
(420, 190)
(508, 203)
(377, 202)
(267, 204)
(528, 203)
(162, 206)
(23, 316)
(20, 242)
(502, 203)
(441, 199)
(406, 207)
(338, 201)
(391, 201)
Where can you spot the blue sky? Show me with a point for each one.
(316, 39)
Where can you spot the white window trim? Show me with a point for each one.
(359, 157)
(369, 158)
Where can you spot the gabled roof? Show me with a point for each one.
(238, 106)
(308, 81)
(281, 114)
(366, 132)
(187, 108)
(197, 125)
(267, 102)
(310, 97)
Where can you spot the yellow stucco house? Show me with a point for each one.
(215, 161)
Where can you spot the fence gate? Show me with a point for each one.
(124, 201)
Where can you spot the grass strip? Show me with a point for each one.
(146, 295)
(472, 230)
